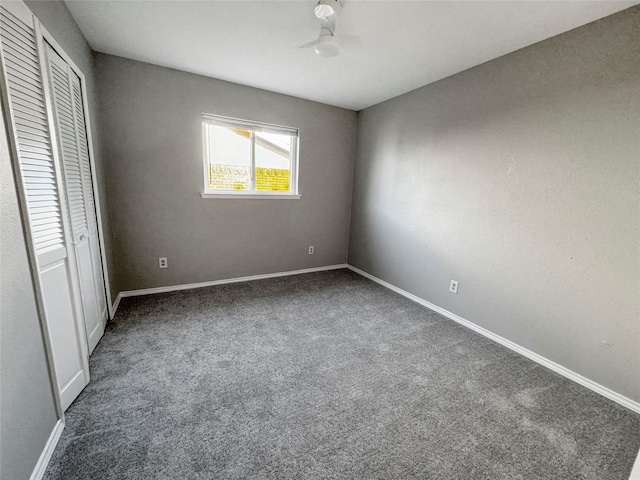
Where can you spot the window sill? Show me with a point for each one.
(251, 196)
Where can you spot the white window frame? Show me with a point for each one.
(210, 119)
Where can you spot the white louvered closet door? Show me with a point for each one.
(42, 197)
(69, 115)
(90, 204)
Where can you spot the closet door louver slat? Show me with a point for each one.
(68, 141)
(24, 85)
(83, 153)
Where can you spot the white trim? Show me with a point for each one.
(224, 121)
(635, 471)
(116, 304)
(250, 278)
(565, 372)
(45, 456)
(250, 196)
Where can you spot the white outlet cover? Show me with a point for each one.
(453, 286)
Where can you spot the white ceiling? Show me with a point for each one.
(405, 44)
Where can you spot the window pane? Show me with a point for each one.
(273, 162)
(229, 158)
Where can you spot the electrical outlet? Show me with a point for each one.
(453, 286)
(162, 262)
(310, 249)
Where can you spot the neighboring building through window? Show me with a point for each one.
(247, 158)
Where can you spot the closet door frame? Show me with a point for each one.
(46, 36)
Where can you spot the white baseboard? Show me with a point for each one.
(113, 307)
(116, 304)
(189, 286)
(565, 372)
(45, 456)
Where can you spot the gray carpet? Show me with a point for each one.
(326, 376)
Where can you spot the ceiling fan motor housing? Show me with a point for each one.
(326, 8)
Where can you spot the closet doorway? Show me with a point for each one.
(70, 122)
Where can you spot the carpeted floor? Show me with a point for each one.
(326, 376)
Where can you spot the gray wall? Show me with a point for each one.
(518, 178)
(27, 408)
(151, 118)
(55, 17)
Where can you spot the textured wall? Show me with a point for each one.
(55, 17)
(518, 178)
(27, 409)
(151, 118)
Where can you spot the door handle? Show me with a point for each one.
(81, 238)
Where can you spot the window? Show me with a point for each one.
(243, 158)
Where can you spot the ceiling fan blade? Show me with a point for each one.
(349, 43)
(309, 44)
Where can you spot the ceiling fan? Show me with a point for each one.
(328, 44)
